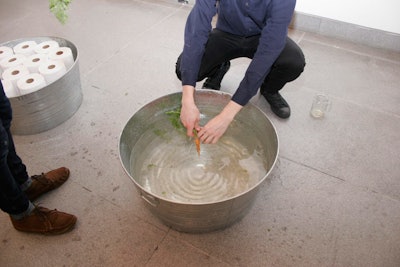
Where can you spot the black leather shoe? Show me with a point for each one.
(214, 82)
(278, 105)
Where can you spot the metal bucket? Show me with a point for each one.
(198, 217)
(50, 106)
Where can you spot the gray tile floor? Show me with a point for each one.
(333, 198)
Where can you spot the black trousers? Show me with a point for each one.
(12, 171)
(222, 47)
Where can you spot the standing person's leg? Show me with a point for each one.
(14, 163)
(13, 200)
(36, 185)
(220, 48)
(288, 66)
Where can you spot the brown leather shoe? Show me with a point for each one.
(46, 182)
(45, 221)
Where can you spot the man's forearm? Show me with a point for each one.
(187, 94)
(230, 110)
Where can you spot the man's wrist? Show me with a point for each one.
(231, 109)
(187, 94)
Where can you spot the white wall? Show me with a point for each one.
(377, 14)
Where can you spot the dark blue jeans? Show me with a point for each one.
(222, 47)
(12, 171)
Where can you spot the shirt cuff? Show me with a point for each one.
(188, 79)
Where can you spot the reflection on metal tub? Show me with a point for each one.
(193, 193)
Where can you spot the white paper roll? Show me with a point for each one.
(46, 46)
(12, 61)
(13, 74)
(64, 54)
(9, 89)
(26, 48)
(31, 83)
(34, 61)
(52, 70)
(5, 51)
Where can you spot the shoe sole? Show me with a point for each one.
(279, 115)
(62, 231)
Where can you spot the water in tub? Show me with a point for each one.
(164, 162)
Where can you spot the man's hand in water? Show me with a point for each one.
(216, 127)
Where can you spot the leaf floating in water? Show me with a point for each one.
(175, 118)
(151, 166)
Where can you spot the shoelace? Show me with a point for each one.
(41, 179)
(40, 212)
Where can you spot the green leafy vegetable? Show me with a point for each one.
(151, 165)
(59, 8)
(175, 118)
(160, 133)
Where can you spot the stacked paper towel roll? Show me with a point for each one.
(9, 89)
(13, 74)
(34, 61)
(31, 83)
(12, 61)
(46, 46)
(5, 51)
(28, 66)
(52, 70)
(63, 54)
(26, 48)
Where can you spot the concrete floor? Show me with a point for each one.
(334, 195)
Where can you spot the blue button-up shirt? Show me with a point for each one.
(268, 18)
